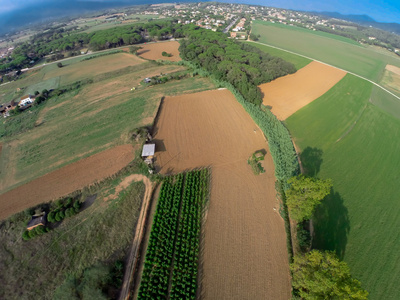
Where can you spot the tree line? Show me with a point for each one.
(243, 66)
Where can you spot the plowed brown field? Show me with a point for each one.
(288, 94)
(154, 51)
(245, 254)
(65, 180)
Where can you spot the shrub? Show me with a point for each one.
(26, 235)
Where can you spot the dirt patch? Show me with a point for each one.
(244, 254)
(393, 69)
(288, 94)
(65, 180)
(391, 78)
(154, 51)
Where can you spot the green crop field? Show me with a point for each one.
(298, 61)
(348, 135)
(328, 48)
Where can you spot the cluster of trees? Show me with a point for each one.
(39, 230)
(316, 274)
(65, 209)
(59, 41)
(243, 66)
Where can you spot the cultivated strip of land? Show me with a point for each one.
(65, 180)
(244, 255)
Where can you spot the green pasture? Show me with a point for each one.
(345, 136)
(298, 61)
(328, 48)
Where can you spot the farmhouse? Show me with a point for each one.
(26, 100)
(148, 153)
(36, 221)
(147, 80)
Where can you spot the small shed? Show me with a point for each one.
(36, 221)
(148, 150)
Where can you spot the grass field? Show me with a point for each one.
(328, 48)
(345, 136)
(101, 233)
(298, 61)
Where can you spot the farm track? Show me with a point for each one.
(244, 254)
(63, 181)
(139, 232)
(359, 76)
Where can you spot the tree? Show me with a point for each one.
(134, 49)
(320, 275)
(304, 195)
(60, 65)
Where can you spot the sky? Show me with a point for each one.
(380, 10)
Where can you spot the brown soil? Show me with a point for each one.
(288, 94)
(65, 180)
(153, 51)
(244, 254)
(393, 69)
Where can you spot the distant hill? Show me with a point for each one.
(364, 20)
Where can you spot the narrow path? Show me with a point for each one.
(359, 76)
(134, 250)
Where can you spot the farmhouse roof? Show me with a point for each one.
(148, 149)
(36, 221)
(26, 97)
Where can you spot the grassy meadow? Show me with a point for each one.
(349, 135)
(100, 234)
(84, 121)
(328, 48)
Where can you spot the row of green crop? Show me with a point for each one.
(173, 250)
(184, 277)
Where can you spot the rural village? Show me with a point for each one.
(199, 151)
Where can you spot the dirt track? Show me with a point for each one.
(154, 51)
(65, 180)
(245, 254)
(288, 94)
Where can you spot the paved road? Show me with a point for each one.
(374, 83)
(230, 25)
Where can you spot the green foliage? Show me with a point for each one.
(320, 275)
(134, 49)
(19, 123)
(60, 65)
(242, 65)
(166, 54)
(174, 238)
(304, 195)
(254, 162)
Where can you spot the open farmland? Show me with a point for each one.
(154, 51)
(328, 48)
(345, 136)
(66, 180)
(88, 68)
(244, 254)
(90, 119)
(391, 78)
(288, 94)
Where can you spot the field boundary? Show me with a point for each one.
(359, 76)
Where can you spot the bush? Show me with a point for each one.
(166, 54)
(26, 235)
(50, 217)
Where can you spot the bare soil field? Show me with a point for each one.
(288, 94)
(95, 66)
(65, 180)
(153, 51)
(391, 78)
(244, 255)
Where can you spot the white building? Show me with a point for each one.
(26, 100)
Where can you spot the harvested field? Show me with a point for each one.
(288, 94)
(244, 254)
(391, 78)
(65, 180)
(153, 51)
(91, 67)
